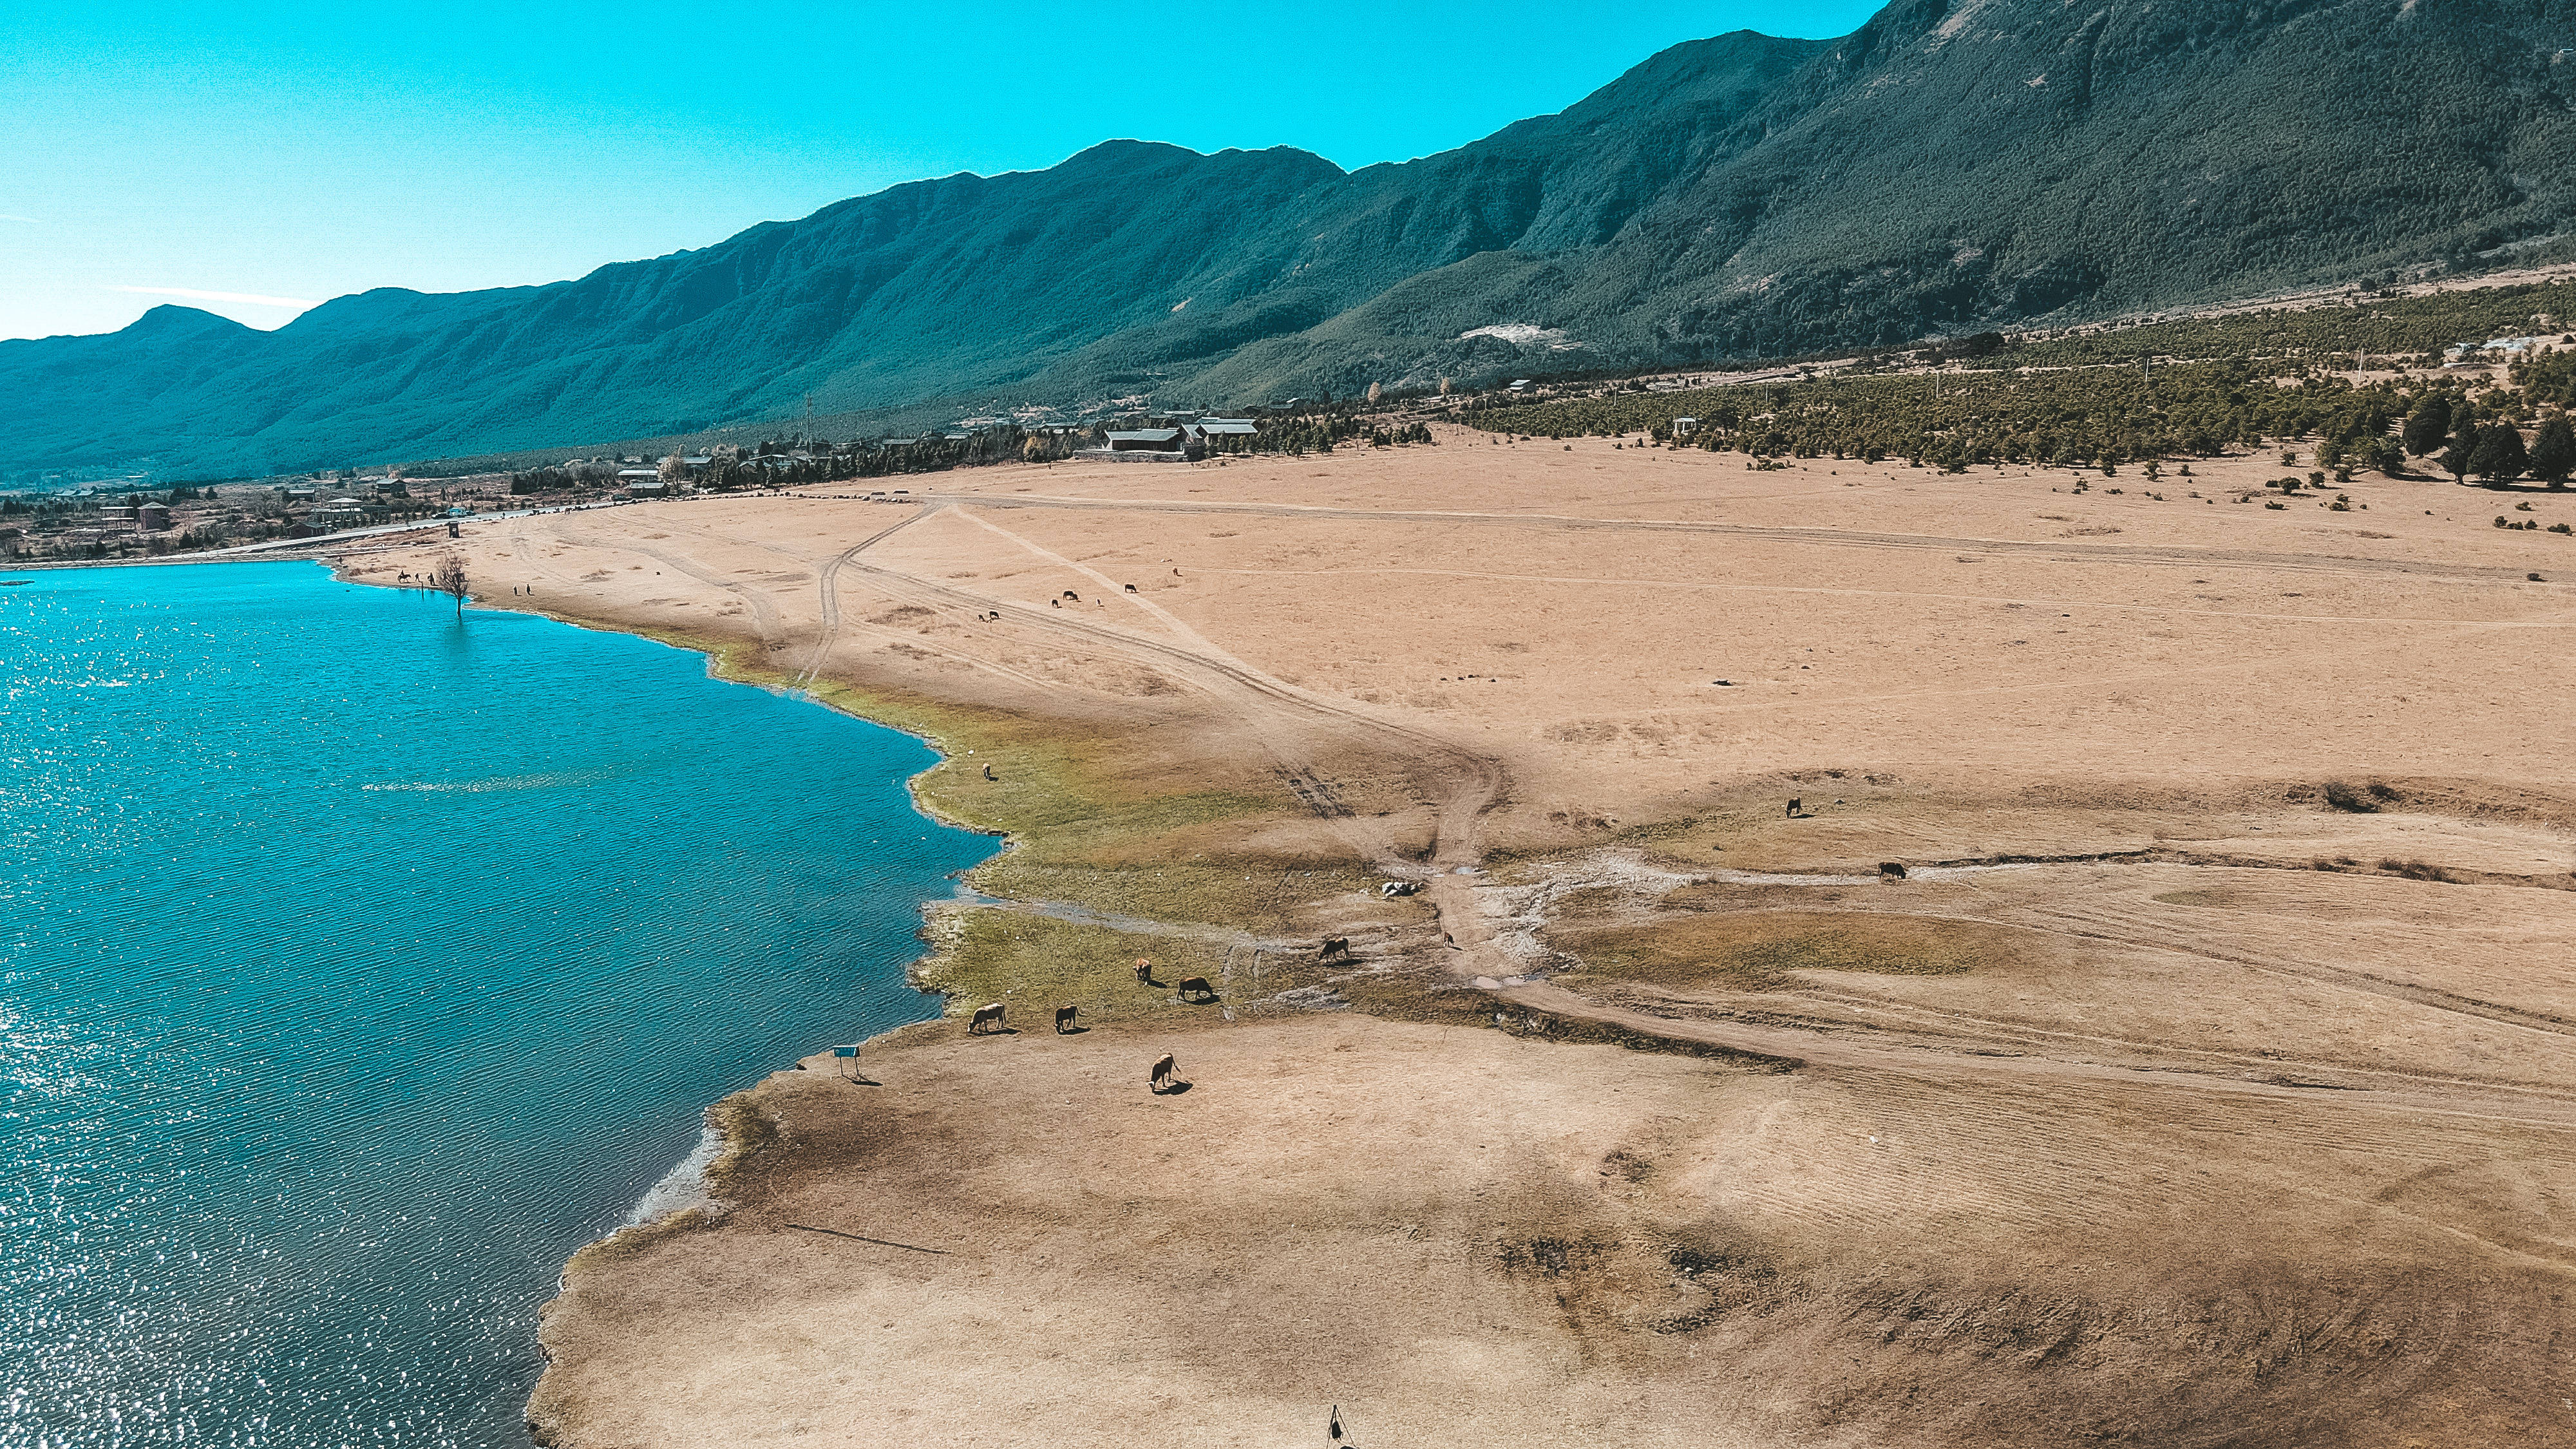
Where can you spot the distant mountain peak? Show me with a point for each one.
(1738, 196)
(171, 319)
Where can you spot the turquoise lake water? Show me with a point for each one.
(358, 963)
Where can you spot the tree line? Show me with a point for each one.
(2103, 416)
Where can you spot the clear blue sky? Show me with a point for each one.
(301, 151)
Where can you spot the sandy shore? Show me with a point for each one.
(2203, 1078)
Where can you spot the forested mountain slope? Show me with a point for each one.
(1954, 164)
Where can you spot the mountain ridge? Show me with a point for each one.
(1951, 164)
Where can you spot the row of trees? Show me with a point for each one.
(2453, 434)
(1318, 431)
(735, 468)
(2097, 416)
(2415, 329)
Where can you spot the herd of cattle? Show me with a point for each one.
(995, 1016)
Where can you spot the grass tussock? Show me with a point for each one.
(2354, 799)
(633, 1242)
(748, 1131)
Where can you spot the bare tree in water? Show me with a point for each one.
(448, 577)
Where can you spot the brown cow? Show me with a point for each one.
(1064, 1019)
(1196, 988)
(1163, 1075)
(991, 1011)
(1336, 946)
(1144, 971)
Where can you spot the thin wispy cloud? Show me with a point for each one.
(251, 299)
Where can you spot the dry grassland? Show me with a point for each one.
(2204, 1079)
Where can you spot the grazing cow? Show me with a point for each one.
(1144, 971)
(1131, 588)
(1163, 1075)
(1064, 1019)
(988, 773)
(1196, 988)
(1891, 870)
(1336, 946)
(1794, 807)
(1059, 603)
(1070, 594)
(992, 1013)
(1391, 889)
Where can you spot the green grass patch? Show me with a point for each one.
(1035, 963)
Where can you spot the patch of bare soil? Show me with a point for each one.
(1463, 1238)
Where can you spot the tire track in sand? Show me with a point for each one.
(1281, 714)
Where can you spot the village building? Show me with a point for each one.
(339, 513)
(1148, 440)
(1150, 445)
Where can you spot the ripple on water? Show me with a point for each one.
(360, 963)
